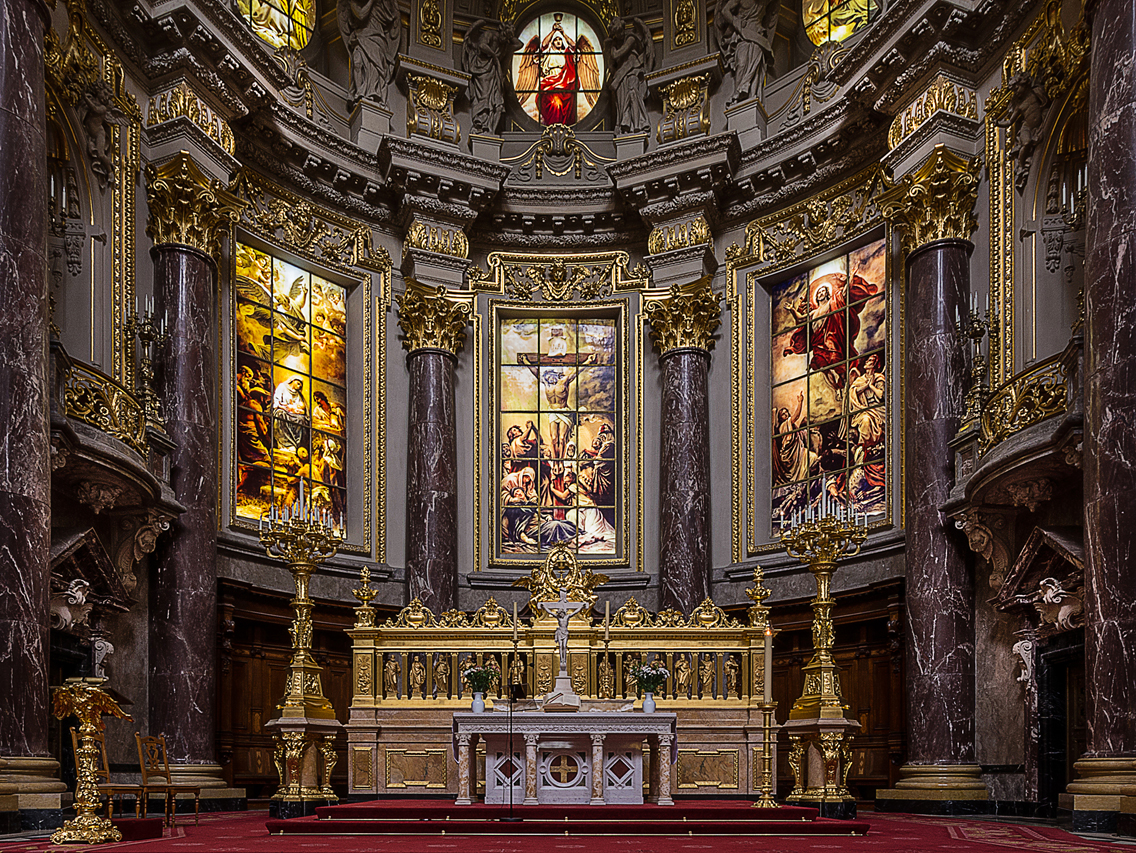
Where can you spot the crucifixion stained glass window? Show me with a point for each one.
(829, 386)
(559, 438)
(291, 387)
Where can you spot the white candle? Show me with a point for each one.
(767, 693)
(607, 621)
(514, 623)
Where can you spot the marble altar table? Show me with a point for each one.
(589, 757)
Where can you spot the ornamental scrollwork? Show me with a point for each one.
(943, 95)
(491, 615)
(559, 278)
(561, 571)
(694, 232)
(936, 201)
(684, 108)
(559, 153)
(710, 615)
(414, 615)
(432, 319)
(96, 399)
(687, 317)
(430, 109)
(187, 207)
(1030, 397)
(182, 102)
(632, 615)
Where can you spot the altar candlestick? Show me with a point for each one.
(607, 621)
(767, 692)
(514, 623)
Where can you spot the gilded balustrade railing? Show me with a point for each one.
(1034, 395)
(96, 399)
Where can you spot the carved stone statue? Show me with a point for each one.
(442, 676)
(745, 37)
(390, 675)
(1028, 101)
(372, 33)
(631, 56)
(682, 676)
(98, 109)
(417, 676)
(708, 671)
(482, 53)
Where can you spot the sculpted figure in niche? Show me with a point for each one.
(631, 55)
(98, 109)
(482, 52)
(1027, 111)
(372, 33)
(745, 37)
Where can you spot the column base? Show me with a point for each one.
(939, 789)
(836, 810)
(1095, 800)
(1126, 820)
(287, 809)
(40, 797)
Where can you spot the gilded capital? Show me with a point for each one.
(936, 201)
(432, 318)
(187, 207)
(687, 317)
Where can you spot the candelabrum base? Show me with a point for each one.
(86, 829)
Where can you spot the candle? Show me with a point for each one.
(514, 623)
(767, 693)
(607, 621)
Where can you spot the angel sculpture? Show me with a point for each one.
(631, 56)
(1028, 101)
(99, 109)
(482, 51)
(553, 72)
(745, 36)
(372, 32)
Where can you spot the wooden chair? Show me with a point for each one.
(156, 777)
(102, 774)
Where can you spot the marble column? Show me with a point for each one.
(25, 471)
(1109, 432)
(188, 213)
(682, 326)
(934, 207)
(434, 331)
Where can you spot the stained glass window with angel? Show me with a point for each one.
(558, 72)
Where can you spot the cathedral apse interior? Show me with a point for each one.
(643, 285)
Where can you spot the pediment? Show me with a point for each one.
(1048, 576)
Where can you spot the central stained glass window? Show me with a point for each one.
(559, 437)
(558, 72)
(828, 370)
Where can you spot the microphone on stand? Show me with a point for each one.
(516, 693)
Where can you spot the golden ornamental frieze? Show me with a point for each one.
(561, 571)
(694, 232)
(688, 316)
(632, 615)
(414, 615)
(943, 95)
(710, 615)
(432, 318)
(430, 109)
(812, 226)
(491, 615)
(182, 102)
(582, 276)
(98, 400)
(187, 207)
(936, 201)
(435, 238)
(315, 232)
(1032, 396)
(684, 108)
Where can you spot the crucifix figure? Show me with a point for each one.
(563, 610)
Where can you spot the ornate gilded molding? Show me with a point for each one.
(1032, 396)
(187, 207)
(432, 318)
(812, 226)
(560, 571)
(559, 153)
(687, 317)
(694, 232)
(943, 95)
(430, 109)
(559, 278)
(430, 24)
(435, 238)
(684, 20)
(684, 108)
(936, 201)
(818, 85)
(96, 399)
(182, 102)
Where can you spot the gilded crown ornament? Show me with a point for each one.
(936, 201)
(560, 571)
(688, 317)
(431, 319)
(187, 207)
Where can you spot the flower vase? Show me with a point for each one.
(648, 703)
(478, 706)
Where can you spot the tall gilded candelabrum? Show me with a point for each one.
(85, 699)
(819, 543)
(302, 535)
(150, 333)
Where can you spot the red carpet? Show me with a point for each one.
(244, 832)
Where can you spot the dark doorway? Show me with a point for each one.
(1061, 715)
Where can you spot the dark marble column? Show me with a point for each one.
(434, 324)
(684, 491)
(682, 326)
(431, 480)
(187, 214)
(1110, 399)
(25, 471)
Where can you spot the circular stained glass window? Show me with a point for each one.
(558, 71)
(281, 23)
(835, 20)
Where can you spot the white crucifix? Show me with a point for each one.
(562, 696)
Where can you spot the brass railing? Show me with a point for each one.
(1034, 395)
(96, 399)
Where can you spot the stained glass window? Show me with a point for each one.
(559, 437)
(291, 387)
(836, 20)
(829, 394)
(281, 23)
(558, 72)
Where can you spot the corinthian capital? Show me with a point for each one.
(432, 318)
(687, 317)
(187, 207)
(936, 201)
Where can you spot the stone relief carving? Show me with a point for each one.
(818, 85)
(986, 536)
(1057, 606)
(1028, 101)
(98, 109)
(559, 153)
(483, 50)
(101, 649)
(631, 56)
(136, 536)
(1024, 650)
(745, 37)
(1030, 493)
(372, 33)
(98, 496)
(69, 607)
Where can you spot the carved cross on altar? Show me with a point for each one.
(563, 610)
